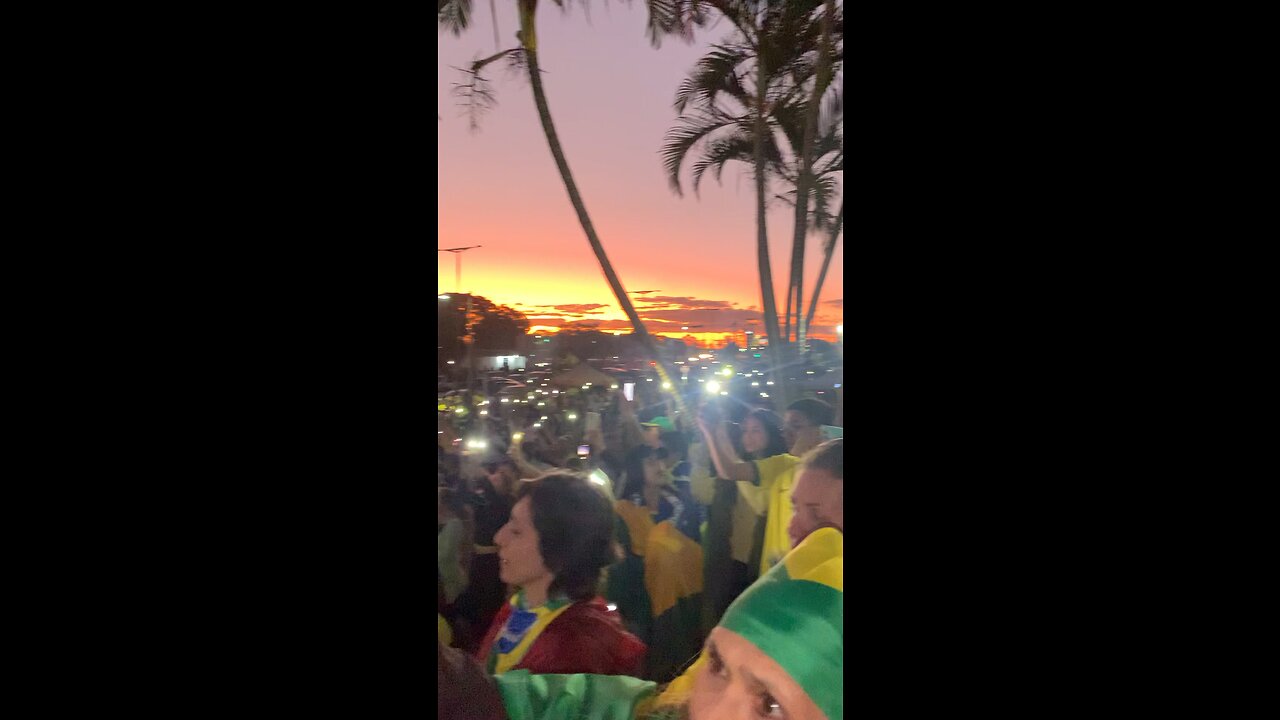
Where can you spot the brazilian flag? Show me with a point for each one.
(658, 589)
(625, 586)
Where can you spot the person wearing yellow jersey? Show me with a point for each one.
(734, 528)
(766, 484)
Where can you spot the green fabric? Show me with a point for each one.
(625, 587)
(800, 623)
(672, 638)
(676, 639)
(572, 697)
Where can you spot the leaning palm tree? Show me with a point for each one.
(827, 252)
(525, 58)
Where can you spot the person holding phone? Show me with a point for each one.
(735, 531)
(765, 485)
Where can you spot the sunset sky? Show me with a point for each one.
(692, 260)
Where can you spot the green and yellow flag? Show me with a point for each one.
(795, 615)
(658, 589)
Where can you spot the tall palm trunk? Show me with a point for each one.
(826, 263)
(791, 294)
(767, 301)
(529, 40)
(822, 77)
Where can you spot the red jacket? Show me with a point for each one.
(586, 638)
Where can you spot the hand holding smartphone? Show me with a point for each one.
(629, 391)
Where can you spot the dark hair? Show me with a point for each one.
(453, 499)
(495, 462)
(828, 456)
(675, 443)
(772, 425)
(817, 412)
(635, 470)
(575, 530)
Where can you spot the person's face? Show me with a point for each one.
(519, 559)
(739, 681)
(652, 437)
(800, 434)
(818, 499)
(668, 457)
(653, 475)
(754, 437)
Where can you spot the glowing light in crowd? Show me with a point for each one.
(713, 387)
(573, 416)
(477, 444)
(666, 386)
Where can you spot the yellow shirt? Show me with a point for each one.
(777, 477)
(749, 506)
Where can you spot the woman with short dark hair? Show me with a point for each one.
(554, 547)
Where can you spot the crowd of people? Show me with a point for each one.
(652, 557)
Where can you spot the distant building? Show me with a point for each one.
(505, 362)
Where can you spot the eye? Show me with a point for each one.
(769, 707)
(716, 665)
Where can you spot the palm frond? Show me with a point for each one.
(718, 152)
(715, 72)
(475, 91)
(454, 15)
(680, 139)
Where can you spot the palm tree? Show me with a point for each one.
(526, 58)
(727, 117)
(827, 251)
(807, 150)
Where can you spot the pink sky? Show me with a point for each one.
(610, 94)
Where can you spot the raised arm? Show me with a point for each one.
(726, 460)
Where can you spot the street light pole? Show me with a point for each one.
(457, 254)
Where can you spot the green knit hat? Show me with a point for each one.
(795, 615)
